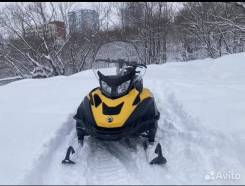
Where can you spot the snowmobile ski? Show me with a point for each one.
(154, 154)
(67, 160)
(159, 159)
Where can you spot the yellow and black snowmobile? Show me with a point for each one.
(119, 108)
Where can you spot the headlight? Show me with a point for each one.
(115, 91)
(121, 89)
(105, 87)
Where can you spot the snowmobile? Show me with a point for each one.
(119, 108)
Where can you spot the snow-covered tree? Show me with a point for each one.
(29, 28)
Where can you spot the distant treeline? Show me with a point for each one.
(159, 31)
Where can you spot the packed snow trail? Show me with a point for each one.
(191, 150)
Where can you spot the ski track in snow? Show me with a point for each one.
(193, 151)
(41, 163)
(190, 149)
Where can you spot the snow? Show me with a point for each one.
(10, 78)
(201, 128)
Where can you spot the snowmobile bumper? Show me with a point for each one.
(142, 119)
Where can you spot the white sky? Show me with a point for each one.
(113, 18)
(83, 5)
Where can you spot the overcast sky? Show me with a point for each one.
(113, 18)
(83, 5)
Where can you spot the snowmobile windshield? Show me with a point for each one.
(115, 78)
(116, 66)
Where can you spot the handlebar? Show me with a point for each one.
(122, 61)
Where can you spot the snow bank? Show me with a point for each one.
(201, 129)
(211, 90)
(11, 78)
(31, 111)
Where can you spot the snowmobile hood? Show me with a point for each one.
(113, 113)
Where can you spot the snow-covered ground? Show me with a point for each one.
(4, 81)
(201, 129)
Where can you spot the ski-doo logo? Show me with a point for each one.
(229, 175)
(110, 119)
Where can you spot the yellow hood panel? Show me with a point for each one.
(127, 109)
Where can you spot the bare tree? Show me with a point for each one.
(147, 24)
(217, 27)
(32, 37)
(80, 51)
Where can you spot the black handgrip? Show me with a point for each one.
(129, 63)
